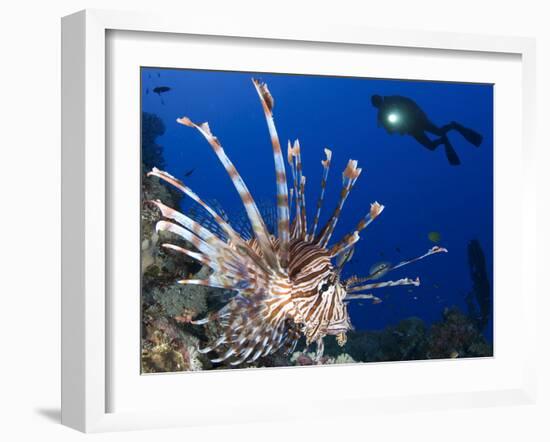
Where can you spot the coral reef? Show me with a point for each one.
(152, 127)
(305, 358)
(168, 348)
(455, 335)
(404, 341)
(179, 301)
(169, 341)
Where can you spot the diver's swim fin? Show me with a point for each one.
(469, 135)
(451, 154)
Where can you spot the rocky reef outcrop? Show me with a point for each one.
(169, 341)
(455, 335)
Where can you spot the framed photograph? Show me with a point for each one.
(252, 213)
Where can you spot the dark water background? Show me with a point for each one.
(420, 190)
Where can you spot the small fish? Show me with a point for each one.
(161, 90)
(454, 354)
(398, 250)
(379, 269)
(415, 298)
(376, 300)
(189, 172)
(434, 237)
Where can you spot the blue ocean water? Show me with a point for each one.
(421, 192)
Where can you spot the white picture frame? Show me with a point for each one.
(85, 236)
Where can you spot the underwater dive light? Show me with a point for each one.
(393, 117)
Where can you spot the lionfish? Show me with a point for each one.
(286, 284)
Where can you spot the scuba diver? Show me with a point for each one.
(404, 116)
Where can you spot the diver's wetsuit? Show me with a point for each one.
(410, 119)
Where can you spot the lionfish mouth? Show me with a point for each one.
(286, 283)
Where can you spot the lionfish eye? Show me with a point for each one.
(324, 287)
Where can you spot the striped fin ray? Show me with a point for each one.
(377, 285)
(240, 244)
(230, 271)
(201, 257)
(183, 188)
(303, 233)
(356, 296)
(283, 216)
(236, 260)
(350, 175)
(301, 183)
(292, 151)
(349, 240)
(299, 225)
(432, 251)
(212, 281)
(250, 332)
(256, 221)
(189, 224)
(198, 243)
(344, 245)
(326, 167)
(352, 282)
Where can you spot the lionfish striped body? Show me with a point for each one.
(287, 283)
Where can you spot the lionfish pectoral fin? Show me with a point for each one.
(256, 221)
(432, 251)
(352, 284)
(355, 296)
(225, 356)
(378, 285)
(250, 331)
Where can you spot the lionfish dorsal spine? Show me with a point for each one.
(256, 221)
(294, 160)
(226, 227)
(349, 176)
(351, 238)
(283, 228)
(326, 168)
(189, 224)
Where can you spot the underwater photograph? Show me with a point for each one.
(302, 220)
